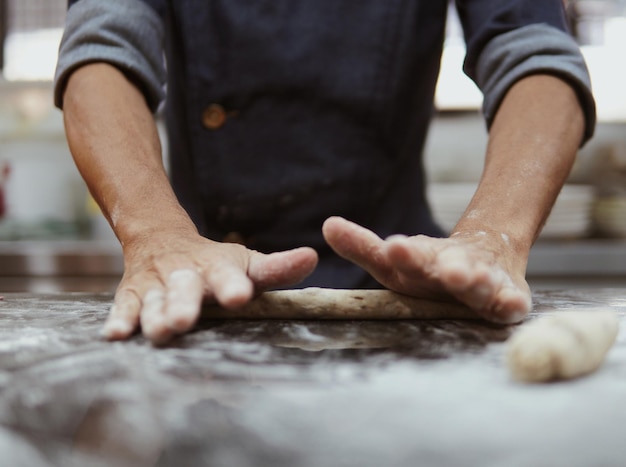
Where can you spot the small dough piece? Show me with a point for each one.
(324, 303)
(561, 346)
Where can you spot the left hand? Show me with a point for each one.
(479, 269)
(170, 273)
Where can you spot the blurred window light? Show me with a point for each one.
(31, 35)
(455, 91)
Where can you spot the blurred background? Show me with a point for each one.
(53, 238)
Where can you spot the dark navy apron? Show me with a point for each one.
(282, 113)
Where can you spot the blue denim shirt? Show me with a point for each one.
(326, 102)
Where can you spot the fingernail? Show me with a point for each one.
(517, 317)
(510, 318)
(235, 292)
(153, 329)
(116, 328)
(180, 319)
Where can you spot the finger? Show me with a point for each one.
(479, 289)
(494, 296)
(123, 318)
(185, 290)
(153, 320)
(282, 268)
(512, 305)
(229, 284)
(456, 270)
(413, 256)
(470, 282)
(354, 243)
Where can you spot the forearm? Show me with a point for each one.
(532, 145)
(114, 141)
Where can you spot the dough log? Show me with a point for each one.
(322, 303)
(561, 346)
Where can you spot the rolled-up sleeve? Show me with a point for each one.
(125, 33)
(510, 39)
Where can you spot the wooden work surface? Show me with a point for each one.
(289, 393)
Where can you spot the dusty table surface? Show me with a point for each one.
(295, 393)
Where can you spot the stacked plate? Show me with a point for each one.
(448, 202)
(571, 214)
(570, 217)
(609, 216)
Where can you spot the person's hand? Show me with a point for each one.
(480, 269)
(168, 276)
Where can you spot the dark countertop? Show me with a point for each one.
(295, 393)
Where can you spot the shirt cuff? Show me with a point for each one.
(126, 34)
(528, 50)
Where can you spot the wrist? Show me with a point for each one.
(512, 251)
(152, 225)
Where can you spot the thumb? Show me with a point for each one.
(282, 268)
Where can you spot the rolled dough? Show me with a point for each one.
(323, 303)
(561, 346)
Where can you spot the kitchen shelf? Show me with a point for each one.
(570, 258)
(589, 257)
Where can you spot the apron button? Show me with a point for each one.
(213, 117)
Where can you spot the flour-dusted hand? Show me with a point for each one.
(169, 269)
(479, 270)
(168, 277)
(483, 262)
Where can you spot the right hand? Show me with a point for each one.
(169, 268)
(168, 276)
